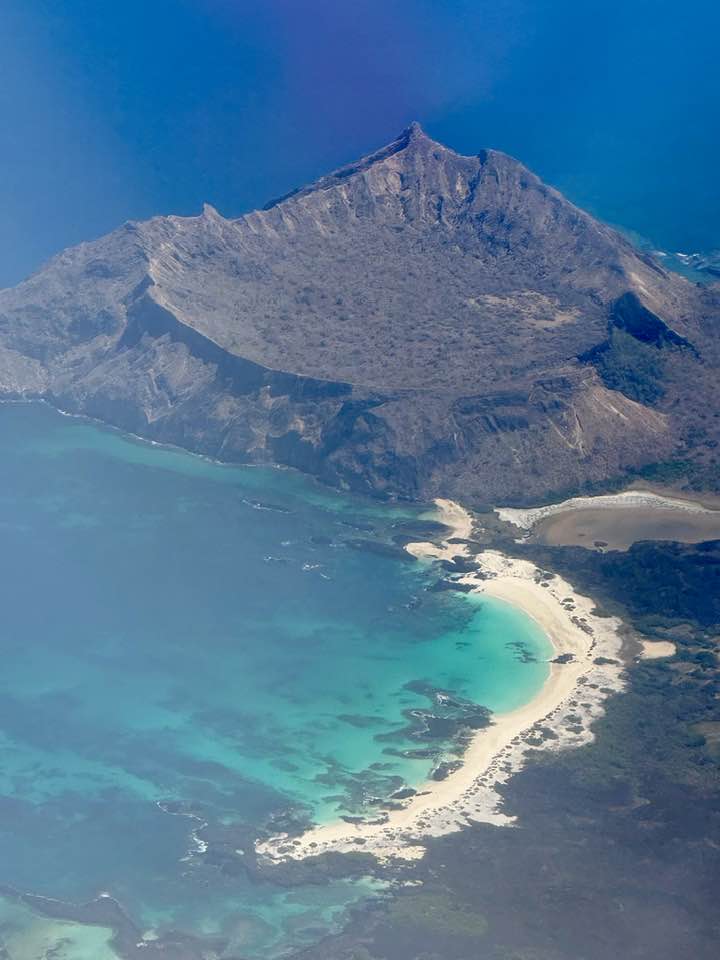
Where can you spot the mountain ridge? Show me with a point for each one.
(416, 322)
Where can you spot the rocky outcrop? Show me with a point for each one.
(416, 323)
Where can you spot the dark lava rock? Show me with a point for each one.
(381, 549)
(443, 770)
(441, 585)
(404, 794)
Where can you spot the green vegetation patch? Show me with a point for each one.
(631, 367)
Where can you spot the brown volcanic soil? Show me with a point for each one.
(417, 323)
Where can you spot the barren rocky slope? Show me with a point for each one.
(416, 323)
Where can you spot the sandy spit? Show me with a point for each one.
(570, 700)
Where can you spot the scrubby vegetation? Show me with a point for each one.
(634, 368)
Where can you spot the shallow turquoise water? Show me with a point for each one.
(26, 936)
(184, 637)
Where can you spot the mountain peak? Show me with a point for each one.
(413, 131)
(415, 322)
(412, 136)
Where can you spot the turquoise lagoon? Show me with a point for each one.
(185, 642)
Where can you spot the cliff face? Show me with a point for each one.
(416, 323)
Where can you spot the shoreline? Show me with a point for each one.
(610, 522)
(527, 519)
(470, 794)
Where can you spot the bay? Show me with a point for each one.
(191, 646)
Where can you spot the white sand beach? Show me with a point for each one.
(568, 702)
(656, 649)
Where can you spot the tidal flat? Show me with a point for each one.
(617, 521)
(196, 656)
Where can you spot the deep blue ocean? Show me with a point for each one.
(187, 643)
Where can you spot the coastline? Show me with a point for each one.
(617, 521)
(528, 518)
(469, 794)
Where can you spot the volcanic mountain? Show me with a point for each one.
(414, 324)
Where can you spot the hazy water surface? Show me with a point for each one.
(184, 642)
